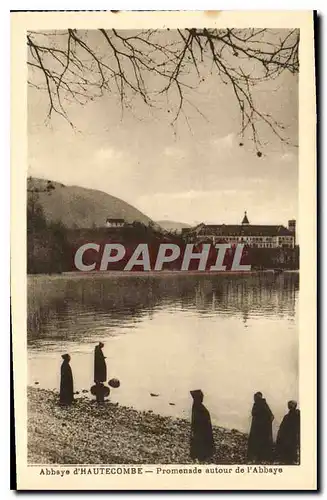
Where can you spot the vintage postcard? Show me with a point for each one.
(163, 250)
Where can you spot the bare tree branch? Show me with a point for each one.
(82, 66)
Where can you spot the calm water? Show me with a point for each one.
(228, 335)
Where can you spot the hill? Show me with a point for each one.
(78, 207)
(170, 225)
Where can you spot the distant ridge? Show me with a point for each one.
(170, 225)
(78, 207)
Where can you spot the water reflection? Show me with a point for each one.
(64, 308)
(230, 335)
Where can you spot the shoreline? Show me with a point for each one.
(108, 433)
(113, 274)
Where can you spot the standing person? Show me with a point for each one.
(100, 367)
(202, 443)
(288, 437)
(260, 442)
(66, 382)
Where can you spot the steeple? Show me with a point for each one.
(245, 220)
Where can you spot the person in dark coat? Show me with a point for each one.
(100, 367)
(66, 382)
(260, 442)
(288, 437)
(202, 443)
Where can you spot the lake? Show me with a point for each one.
(230, 335)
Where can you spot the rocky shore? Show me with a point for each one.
(89, 433)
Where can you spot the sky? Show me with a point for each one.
(191, 172)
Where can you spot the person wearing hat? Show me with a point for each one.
(202, 443)
(100, 367)
(288, 436)
(260, 442)
(66, 382)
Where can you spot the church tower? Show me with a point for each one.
(245, 221)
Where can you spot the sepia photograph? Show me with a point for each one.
(163, 243)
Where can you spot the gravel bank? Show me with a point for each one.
(88, 433)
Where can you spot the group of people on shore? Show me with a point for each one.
(100, 376)
(261, 448)
(260, 443)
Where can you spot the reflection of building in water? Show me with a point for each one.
(260, 236)
(247, 296)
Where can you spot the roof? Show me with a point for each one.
(115, 220)
(245, 219)
(246, 230)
